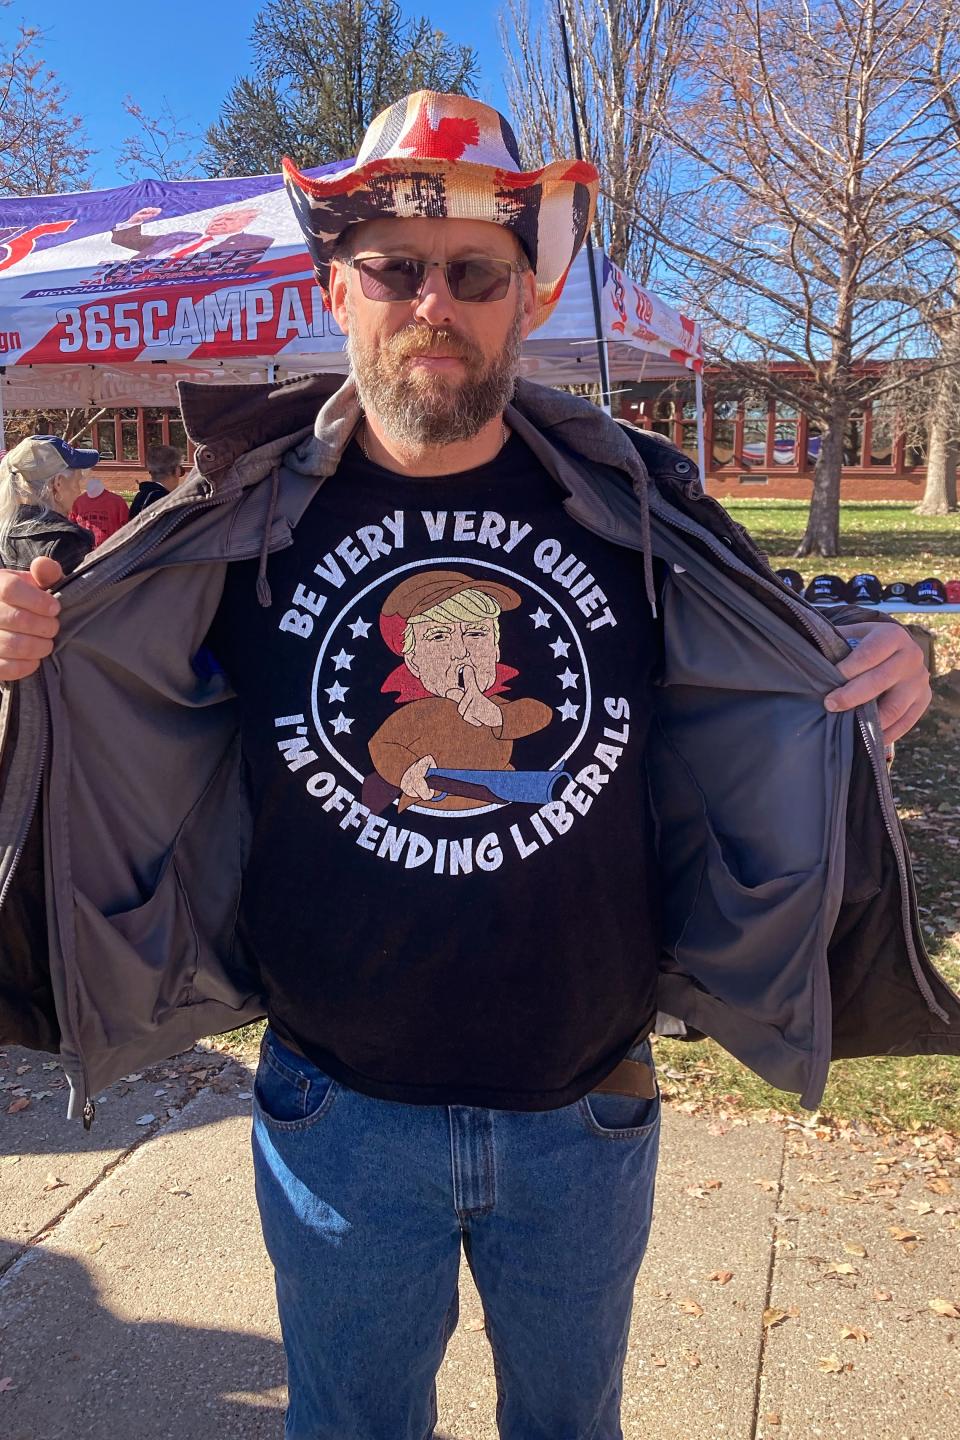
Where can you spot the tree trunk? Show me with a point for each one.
(822, 535)
(952, 458)
(936, 494)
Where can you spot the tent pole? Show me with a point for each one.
(701, 445)
(3, 432)
(594, 292)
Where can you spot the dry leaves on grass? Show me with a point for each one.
(945, 1308)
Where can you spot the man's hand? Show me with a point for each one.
(887, 666)
(472, 704)
(413, 781)
(29, 617)
(149, 212)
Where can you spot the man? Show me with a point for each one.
(460, 1000)
(448, 625)
(224, 232)
(163, 464)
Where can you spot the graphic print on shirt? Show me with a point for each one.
(452, 720)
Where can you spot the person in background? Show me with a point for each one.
(163, 462)
(40, 480)
(99, 510)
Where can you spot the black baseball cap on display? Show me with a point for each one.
(897, 590)
(827, 590)
(864, 589)
(792, 579)
(929, 592)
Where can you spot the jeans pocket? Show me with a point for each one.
(290, 1092)
(626, 1117)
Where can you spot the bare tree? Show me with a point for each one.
(159, 145)
(814, 155)
(625, 56)
(42, 147)
(943, 432)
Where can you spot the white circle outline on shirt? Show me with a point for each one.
(457, 560)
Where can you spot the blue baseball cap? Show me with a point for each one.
(73, 458)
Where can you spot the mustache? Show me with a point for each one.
(428, 340)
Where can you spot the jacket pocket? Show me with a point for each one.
(176, 947)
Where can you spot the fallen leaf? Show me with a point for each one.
(854, 1332)
(690, 1307)
(782, 1243)
(131, 1078)
(713, 1184)
(901, 1235)
(696, 1192)
(51, 1065)
(772, 1417)
(147, 1119)
(882, 1295)
(659, 1361)
(772, 1316)
(17, 1105)
(833, 1365)
(22, 1069)
(940, 1186)
(245, 1095)
(843, 1268)
(692, 1359)
(94, 1246)
(945, 1308)
(851, 1248)
(770, 1186)
(6, 1383)
(53, 1182)
(722, 1277)
(473, 1325)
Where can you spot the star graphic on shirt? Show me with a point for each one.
(337, 693)
(568, 680)
(540, 618)
(560, 648)
(342, 661)
(359, 629)
(341, 724)
(566, 711)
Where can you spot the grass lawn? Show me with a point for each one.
(888, 1093)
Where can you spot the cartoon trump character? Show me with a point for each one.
(451, 715)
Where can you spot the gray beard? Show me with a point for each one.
(436, 412)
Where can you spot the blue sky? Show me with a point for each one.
(189, 52)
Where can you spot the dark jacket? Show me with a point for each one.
(39, 531)
(790, 927)
(148, 492)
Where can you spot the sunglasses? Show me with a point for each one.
(392, 278)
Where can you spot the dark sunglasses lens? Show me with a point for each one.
(476, 280)
(387, 277)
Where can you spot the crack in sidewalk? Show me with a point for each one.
(45, 1231)
(755, 1426)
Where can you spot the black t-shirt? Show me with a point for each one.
(451, 891)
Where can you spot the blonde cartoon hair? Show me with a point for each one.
(465, 605)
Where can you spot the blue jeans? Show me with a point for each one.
(365, 1204)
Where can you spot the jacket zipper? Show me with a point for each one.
(733, 563)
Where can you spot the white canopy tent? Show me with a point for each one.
(110, 297)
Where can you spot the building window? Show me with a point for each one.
(755, 409)
(882, 430)
(129, 435)
(785, 434)
(663, 418)
(688, 430)
(724, 431)
(178, 436)
(105, 436)
(853, 440)
(153, 427)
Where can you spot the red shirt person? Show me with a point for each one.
(103, 514)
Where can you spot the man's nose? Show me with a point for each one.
(435, 305)
(458, 645)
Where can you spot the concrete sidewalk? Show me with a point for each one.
(786, 1293)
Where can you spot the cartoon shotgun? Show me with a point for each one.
(487, 787)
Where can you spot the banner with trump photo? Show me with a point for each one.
(214, 272)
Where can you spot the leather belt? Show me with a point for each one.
(631, 1077)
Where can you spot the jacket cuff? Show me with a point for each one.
(854, 615)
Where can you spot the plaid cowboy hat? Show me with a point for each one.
(450, 157)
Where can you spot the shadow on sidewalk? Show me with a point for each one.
(70, 1369)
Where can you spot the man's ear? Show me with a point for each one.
(528, 301)
(339, 281)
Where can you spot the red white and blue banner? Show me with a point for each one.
(211, 277)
